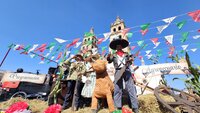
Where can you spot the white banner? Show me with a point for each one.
(24, 77)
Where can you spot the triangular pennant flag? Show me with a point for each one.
(100, 40)
(41, 48)
(125, 31)
(159, 52)
(148, 52)
(59, 40)
(184, 46)
(73, 42)
(26, 50)
(58, 48)
(67, 53)
(169, 20)
(41, 62)
(18, 47)
(194, 49)
(32, 55)
(52, 57)
(133, 47)
(196, 36)
(140, 43)
(106, 36)
(59, 56)
(144, 26)
(51, 45)
(103, 48)
(169, 38)
(184, 36)
(149, 56)
(180, 24)
(33, 48)
(11, 46)
(195, 15)
(129, 35)
(154, 40)
(161, 28)
(156, 45)
(144, 32)
(77, 44)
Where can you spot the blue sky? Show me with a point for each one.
(40, 21)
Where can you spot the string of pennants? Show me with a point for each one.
(56, 52)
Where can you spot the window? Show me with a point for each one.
(119, 28)
(114, 30)
(120, 36)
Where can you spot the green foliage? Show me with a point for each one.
(193, 80)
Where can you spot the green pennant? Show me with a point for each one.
(144, 26)
(27, 48)
(184, 36)
(140, 43)
(88, 34)
(51, 45)
(180, 24)
(129, 35)
(159, 52)
(103, 48)
(58, 47)
(11, 46)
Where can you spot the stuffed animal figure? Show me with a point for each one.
(103, 87)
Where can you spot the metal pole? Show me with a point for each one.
(5, 56)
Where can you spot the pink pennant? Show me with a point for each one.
(195, 15)
(133, 47)
(154, 40)
(199, 30)
(124, 31)
(59, 56)
(20, 47)
(41, 48)
(73, 42)
(143, 32)
(100, 40)
(140, 57)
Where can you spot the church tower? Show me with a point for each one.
(89, 44)
(116, 29)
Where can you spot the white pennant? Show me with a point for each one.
(33, 48)
(161, 28)
(196, 36)
(184, 46)
(148, 52)
(51, 49)
(52, 57)
(169, 20)
(60, 40)
(156, 45)
(78, 44)
(41, 62)
(47, 55)
(32, 55)
(169, 38)
(16, 46)
(194, 49)
(67, 53)
(149, 56)
(106, 36)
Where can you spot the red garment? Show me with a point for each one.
(120, 53)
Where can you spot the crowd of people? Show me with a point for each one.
(80, 78)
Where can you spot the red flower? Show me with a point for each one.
(56, 108)
(18, 106)
(125, 110)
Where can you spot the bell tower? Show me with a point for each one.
(116, 29)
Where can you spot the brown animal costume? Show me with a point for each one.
(104, 86)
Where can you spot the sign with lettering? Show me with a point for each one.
(24, 77)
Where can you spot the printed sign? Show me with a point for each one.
(24, 77)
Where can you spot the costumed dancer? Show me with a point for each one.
(74, 84)
(123, 78)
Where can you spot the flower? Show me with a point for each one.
(56, 108)
(18, 106)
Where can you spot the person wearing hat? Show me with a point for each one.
(74, 84)
(123, 78)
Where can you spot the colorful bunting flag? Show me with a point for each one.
(33, 48)
(144, 32)
(103, 48)
(195, 15)
(156, 45)
(161, 28)
(51, 45)
(154, 40)
(194, 49)
(73, 42)
(59, 56)
(26, 49)
(106, 36)
(184, 46)
(184, 36)
(169, 38)
(147, 52)
(77, 44)
(159, 52)
(144, 26)
(100, 40)
(196, 36)
(59, 40)
(125, 31)
(180, 24)
(169, 20)
(18, 47)
(133, 47)
(140, 43)
(32, 55)
(129, 35)
(41, 48)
